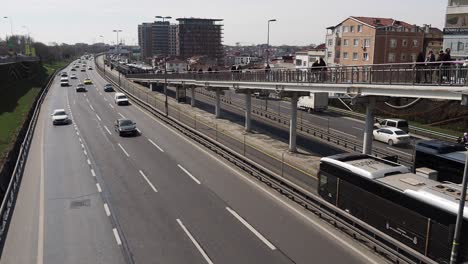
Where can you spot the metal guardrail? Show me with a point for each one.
(11, 193)
(431, 74)
(17, 59)
(377, 240)
(413, 129)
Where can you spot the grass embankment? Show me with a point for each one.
(16, 99)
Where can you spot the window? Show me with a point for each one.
(367, 43)
(329, 54)
(391, 57)
(338, 29)
(345, 29)
(355, 56)
(413, 57)
(393, 43)
(304, 63)
(346, 42)
(298, 62)
(365, 56)
(404, 43)
(345, 55)
(461, 46)
(351, 29)
(415, 43)
(359, 28)
(356, 42)
(403, 57)
(330, 42)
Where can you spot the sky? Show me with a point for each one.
(299, 22)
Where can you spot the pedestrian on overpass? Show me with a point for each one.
(419, 67)
(430, 63)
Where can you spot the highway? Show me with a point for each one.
(153, 198)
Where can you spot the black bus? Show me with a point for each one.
(417, 211)
(446, 158)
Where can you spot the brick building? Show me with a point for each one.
(370, 40)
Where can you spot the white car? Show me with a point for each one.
(391, 136)
(73, 76)
(60, 117)
(120, 99)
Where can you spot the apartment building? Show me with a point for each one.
(305, 59)
(154, 39)
(456, 28)
(200, 37)
(371, 40)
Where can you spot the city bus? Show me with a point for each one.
(448, 159)
(415, 210)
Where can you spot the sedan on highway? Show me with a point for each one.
(80, 88)
(73, 76)
(108, 88)
(87, 81)
(125, 127)
(90, 68)
(391, 136)
(83, 69)
(121, 99)
(73, 69)
(60, 117)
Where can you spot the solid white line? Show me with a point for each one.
(156, 145)
(253, 230)
(399, 151)
(126, 153)
(337, 131)
(93, 173)
(121, 115)
(106, 208)
(117, 237)
(200, 249)
(40, 232)
(268, 191)
(98, 117)
(189, 174)
(111, 106)
(319, 117)
(108, 131)
(98, 187)
(148, 181)
(358, 128)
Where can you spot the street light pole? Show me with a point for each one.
(11, 24)
(268, 57)
(117, 43)
(166, 105)
(28, 41)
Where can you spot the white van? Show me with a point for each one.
(64, 81)
(393, 122)
(120, 99)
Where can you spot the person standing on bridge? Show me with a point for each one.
(430, 63)
(323, 70)
(419, 67)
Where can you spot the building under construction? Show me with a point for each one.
(200, 37)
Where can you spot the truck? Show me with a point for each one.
(314, 102)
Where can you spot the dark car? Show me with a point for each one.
(108, 88)
(125, 127)
(80, 88)
(73, 69)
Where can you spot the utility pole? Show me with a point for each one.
(268, 57)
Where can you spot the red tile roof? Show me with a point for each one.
(381, 22)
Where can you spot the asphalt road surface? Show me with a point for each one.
(91, 196)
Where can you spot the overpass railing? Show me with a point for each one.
(16, 59)
(452, 73)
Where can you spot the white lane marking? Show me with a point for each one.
(88, 161)
(148, 181)
(189, 174)
(108, 131)
(77, 133)
(99, 92)
(84, 152)
(343, 133)
(98, 187)
(87, 100)
(121, 115)
(139, 131)
(40, 232)
(268, 191)
(92, 108)
(399, 151)
(106, 208)
(111, 106)
(253, 230)
(319, 117)
(358, 128)
(84, 95)
(105, 99)
(98, 117)
(82, 146)
(124, 151)
(156, 145)
(117, 237)
(93, 173)
(200, 249)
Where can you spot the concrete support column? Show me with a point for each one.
(192, 96)
(248, 111)
(293, 124)
(177, 96)
(218, 103)
(152, 86)
(368, 130)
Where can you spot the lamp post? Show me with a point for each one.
(166, 105)
(117, 43)
(11, 24)
(268, 57)
(28, 41)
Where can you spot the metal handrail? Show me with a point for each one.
(310, 201)
(11, 193)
